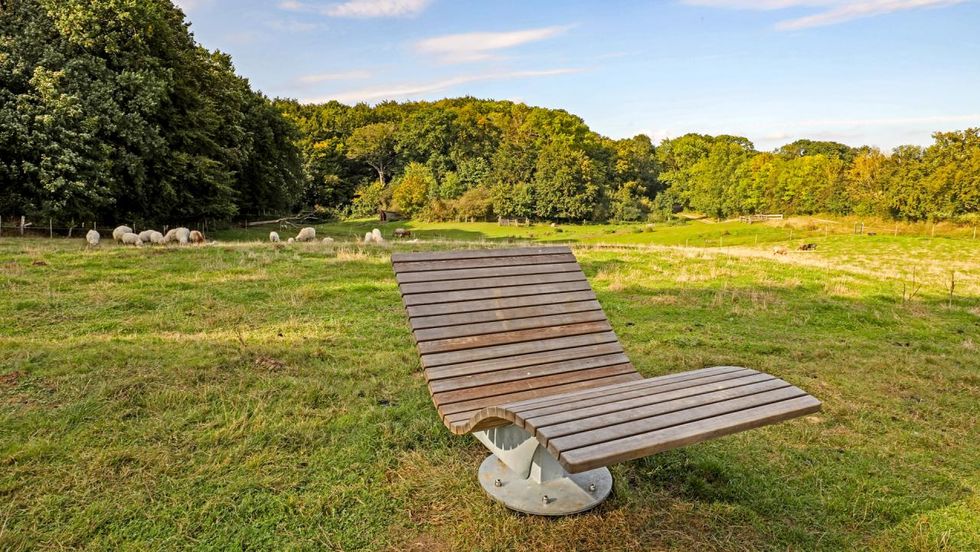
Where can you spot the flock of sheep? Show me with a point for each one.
(183, 236)
(309, 234)
(126, 236)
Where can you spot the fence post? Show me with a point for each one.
(22, 226)
(1, 227)
(50, 229)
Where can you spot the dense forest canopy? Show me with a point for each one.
(468, 158)
(110, 111)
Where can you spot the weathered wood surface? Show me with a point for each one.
(517, 336)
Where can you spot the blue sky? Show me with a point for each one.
(878, 72)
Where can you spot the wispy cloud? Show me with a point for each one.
(479, 46)
(360, 8)
(412, 90)
(309, 80)
(830, 12)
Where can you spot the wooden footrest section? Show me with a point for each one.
(616, 423)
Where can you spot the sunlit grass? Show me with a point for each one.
(244, 395)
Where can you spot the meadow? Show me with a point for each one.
(251, 395)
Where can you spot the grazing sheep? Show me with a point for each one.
(327, 240)
(183, 235)
(130, 238)
(290, 240)
(274, 237)
(145, 235)
(368, 237)
(117, 234)
(402, 233)
(197, 236)
(92, 237)
(807, 247)
(779, 250)
(377, 236)
(306, 234)
(156, 238)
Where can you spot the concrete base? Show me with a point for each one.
(562, 496)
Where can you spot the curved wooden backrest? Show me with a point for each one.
(501, 325)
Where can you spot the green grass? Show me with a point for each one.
(243, 395)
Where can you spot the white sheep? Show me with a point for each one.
(377, 236)
(156, 238)
(196, 236)
(368, 237)
(328, 240)
(306, 234)
(145, 235)
(117, 234)
(183, 235)
(290, 240)
(92, 237)
(170, 236)
(274, 237)
(130, 238)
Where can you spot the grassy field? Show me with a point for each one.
(243, 395)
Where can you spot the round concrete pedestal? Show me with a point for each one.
(577, 492)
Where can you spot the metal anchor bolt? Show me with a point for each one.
(497, 483)
(591, 487)
(545, 499)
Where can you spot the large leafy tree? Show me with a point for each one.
(375, 145)
(110, 110)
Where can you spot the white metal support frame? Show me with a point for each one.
(525, 477)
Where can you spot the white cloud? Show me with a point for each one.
(418, 89)
(831, 12)
(308, 80)
(361, 8)
(479, 46)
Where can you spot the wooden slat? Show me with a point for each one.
(476, 380)
(516, 349)
(514, 314)
(482, 283)
(547, 357)
(503, 303)
(478, 253)
(638, 446)
(595, 420)
(485, 262)
(485, 341)
(654, 423)
(483, 403)
(529, 384)
(509, 291)
(549, 405)
(637, 396)
(519, 270)
(482, 328)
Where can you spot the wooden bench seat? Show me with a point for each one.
(516, 336)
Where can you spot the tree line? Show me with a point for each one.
(467, 158)
(109, 110)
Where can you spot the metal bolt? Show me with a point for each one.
(497, 483)
(592, 487)
(545, 499)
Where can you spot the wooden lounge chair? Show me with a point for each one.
(518, 352)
